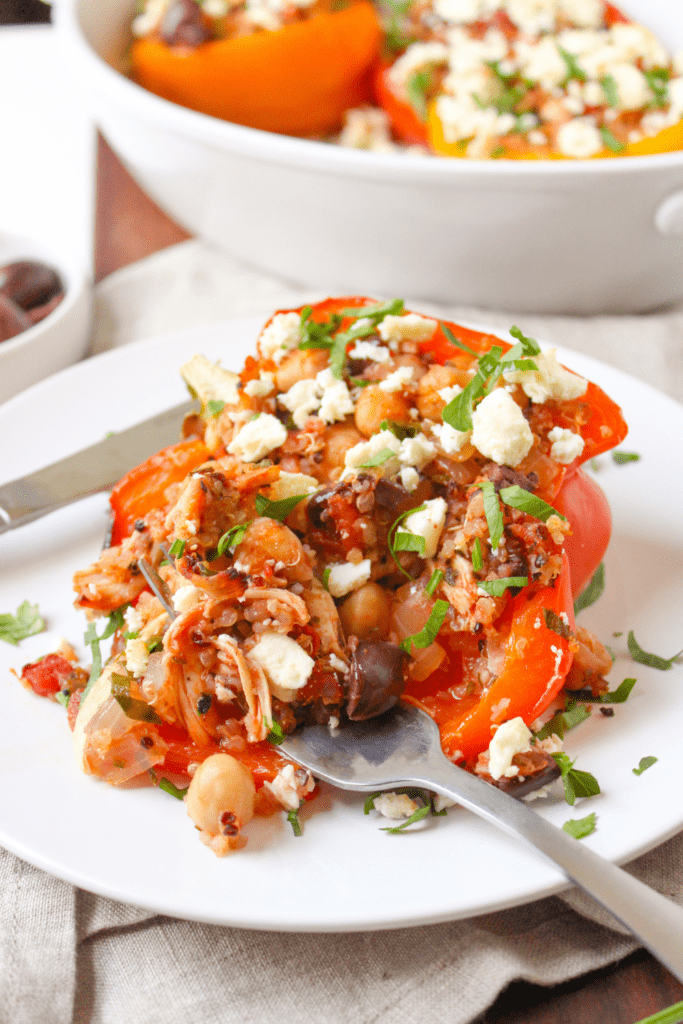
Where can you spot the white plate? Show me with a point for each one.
(137, 845)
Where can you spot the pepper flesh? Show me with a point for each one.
(298, 80)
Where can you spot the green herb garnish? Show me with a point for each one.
(393, 530)
(576, 783)
(580, 827)
(400, 430)
(417, 815)
(172, 790)
(406, 541)
(92, 640)
(26, 622)
(379, 459)
(456, 341)
(277, 509)
(573, 69)
(496, 588)
(293, 819)
(214, 407)
(477, 558)
(560, 723)
(276, 735)
(618, 696)
(658, 81)
(609, 87)
(434, 582)
(644, 764)
(622, 457)
(177, 548)
(417, 88)
(493, 512)
(610, 141)
(63, 697)
(135, 709)
(154, 644)
(429, 631)
(644, 658)
(392, 308)
(232, 538)
(525, 501)
(592, 591)
(556, 623)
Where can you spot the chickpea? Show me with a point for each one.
(429, 401)
(339, 439)
(220, 801)
(266, 541)
(375, 405)
(365, 612)
(301, 364)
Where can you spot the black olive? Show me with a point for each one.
(376, 679)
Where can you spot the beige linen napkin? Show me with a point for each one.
(68, 956)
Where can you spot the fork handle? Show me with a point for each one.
(654, 919)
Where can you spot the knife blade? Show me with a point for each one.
(94, 469)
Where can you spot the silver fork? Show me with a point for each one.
(403, 748)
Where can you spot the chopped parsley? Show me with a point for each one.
(592, 591)
(573, 69)
(172, 790)
(576, 783)
(177, 548)
(293, 819)
(477, 558)
(326, 577)
(232, 538)
(560, 723)
(277, 509)
(496, 588)
(644, 658)
(579, 828)
(658, 81)
(644, 764)
(405, 541)
(429, 631)
(214, 407)
(525, 501)
(434, 582)
(26, 622)
(276, 735)
(623, 457)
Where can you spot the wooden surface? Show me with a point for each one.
(129, 226)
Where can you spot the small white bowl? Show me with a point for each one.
(564, 236)
(58, 340)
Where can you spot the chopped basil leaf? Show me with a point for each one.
(530, 346)
(557, 624)
(326, 577)
(392, 308)
(618, 696)
(393, 529)
(458, 412)
(644, 764)
(609, 87)
(155, 643)
(26, 622)
(400, 430)
(429, 631)
(434, 582)
(576, 783)
(496, 588)
(369, 804)
(580, 827)
(417, 87)
(405, 541)
(232, 538)
(610, 141)
(644, 658)
(493, 512)
(572, 716)
(358, 382)
(132, 708)
(177, 548)
(317, 335)
(92, 640)
(592, 591)
(293, 819)
(214, 407)
(63, 697)
(417, 815)
(622, 457)
(172, 790)
(276, 735)
(456, 341)
(658, 81)
(477, 558)
(573, 69)
(277, 509)
(525, 501)
(379, 459)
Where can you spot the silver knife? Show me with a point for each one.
(94, 469)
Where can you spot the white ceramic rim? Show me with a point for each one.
(290, 150)
(74, 283)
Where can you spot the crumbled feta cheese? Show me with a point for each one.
(579, 138)
(635, 42)
(449, 393)
(361, 453)
(289, 484)
(290, 786)
(397, 380)
(371, 350)
(395, 805)
(415, 58)
(286, 665)
(261, 387)
(566, 445)
(510, 738)
(257, 438)
(633, 92)
(410, 478)
(335, 401)
(450, 439)
(133, 619)
(551, 380)
(428, 523)
(532, 16)
(410, 327)
(367, 128)
(541, 61)
(302, 400)
(215, 8)
(337, 664)
(150, 18)
(461, 12)
(442, 803)
(279, 336)
(500, 430)
(137, 657)
(345, 577)
(583, 13)
(191, 527)
(186, 597)
(416, 451)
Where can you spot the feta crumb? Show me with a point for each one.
(279, 336)
(449, 393)
(416, 451)
(428, 523)
(302, 400)
(261, 387)
(362, 452)
(500, 430)
(285, 663)
(450, 439)
(409, 327)
(290, 786)
(186, 597)
(442, 803)
(289, 484)
(137, 657)
(510, 738)
(335, 402)
(579, 138)
(337, 664)
(410, 478)
(395, 805)
(397, 380)
(345, 577)
(133, 619)
(551, 380)
(566, 445)
(371, 350)
(257, 438)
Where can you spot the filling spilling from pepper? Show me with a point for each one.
(380, 506)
